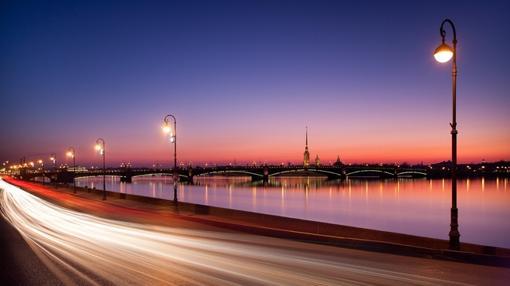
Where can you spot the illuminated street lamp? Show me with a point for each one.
(72, 154)
(53, 159)
(167, 129)
(41, 162)
(443, 54)
(100, 147)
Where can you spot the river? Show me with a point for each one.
(412, 206)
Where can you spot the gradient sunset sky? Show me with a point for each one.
(244, 78)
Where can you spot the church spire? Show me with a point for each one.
(306, 136)
(306, 154)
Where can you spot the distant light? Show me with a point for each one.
(97, 147)
(443, 53)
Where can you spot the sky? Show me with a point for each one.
(244, 78)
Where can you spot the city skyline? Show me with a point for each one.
(365, 83)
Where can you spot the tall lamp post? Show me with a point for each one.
(100, 147)
(167, 129)
(72, 154)
(443, 54)
(42, 169)
(53, 159)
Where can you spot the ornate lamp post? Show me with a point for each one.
(72, 154)
(167, 128)
(443, 54)
(53, 159)
(100, 147)
(41, 162)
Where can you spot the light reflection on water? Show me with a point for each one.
(413, 206)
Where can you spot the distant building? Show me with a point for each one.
(78, 169)
(338, 163)
(306, 155)
(317, 161)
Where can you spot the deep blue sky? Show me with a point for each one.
(245, 77)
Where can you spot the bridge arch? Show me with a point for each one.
(423, 173)
(328, 173)
(220, 172)
(370, 171)
(169, 174)
(78, 175)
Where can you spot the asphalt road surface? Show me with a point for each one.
(80, 248)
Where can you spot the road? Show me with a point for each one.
(81, 248)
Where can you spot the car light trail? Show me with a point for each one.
(84, 249)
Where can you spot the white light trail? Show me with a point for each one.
(85, 249)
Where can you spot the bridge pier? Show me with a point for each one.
(64, 177)
(190, 175)
(265, 177)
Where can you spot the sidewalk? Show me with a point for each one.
(162, 212)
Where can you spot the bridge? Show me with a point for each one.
(257, 173)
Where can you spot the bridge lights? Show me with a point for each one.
(443, 54)
(100, 148)
(167, 129)
(72, 154)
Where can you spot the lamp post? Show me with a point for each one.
(42, 169)
(167, 128)
(443, 54)
(53, 158)
(100, 147)
(72, 154)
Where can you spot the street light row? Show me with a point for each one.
(100, 147)
(443, 53)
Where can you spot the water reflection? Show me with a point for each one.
(413, 206)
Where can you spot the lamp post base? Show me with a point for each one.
(175, 194)
(454, 230)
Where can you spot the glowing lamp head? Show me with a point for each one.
(52, 159)
(166, 129)
(39, 161)
(97, 147)
(443, 53)
(172, 139)
(70, 154)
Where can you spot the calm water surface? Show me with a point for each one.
(413, 206)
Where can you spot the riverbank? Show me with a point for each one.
(145, 209)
